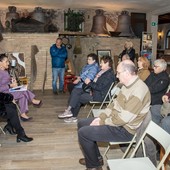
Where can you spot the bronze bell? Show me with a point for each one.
(124, 25)
(99, 23)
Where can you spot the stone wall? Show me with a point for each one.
(16, 42)
(22, 42)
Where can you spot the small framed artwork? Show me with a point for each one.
(17, 63)
(102, 53)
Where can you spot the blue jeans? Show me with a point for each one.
(164, 122)
(58, 72)
(89, 136)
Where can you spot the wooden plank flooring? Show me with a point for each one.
(55, 145)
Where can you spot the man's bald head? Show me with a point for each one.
(126, 72)
(128, 65)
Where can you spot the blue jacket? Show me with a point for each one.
(88, 71)
(58, 55)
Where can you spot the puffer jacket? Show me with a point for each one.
(88, 71)
(58, 56)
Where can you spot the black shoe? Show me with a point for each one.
(25, 119)
(9, 129)
(55, 92)
(39, 104)
(24, 138)
(61, 91)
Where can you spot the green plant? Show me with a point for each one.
(73, 20)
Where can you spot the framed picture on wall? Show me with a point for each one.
(17, 63)
(102, 53)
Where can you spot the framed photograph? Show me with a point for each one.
(17, 63)
(102, 53)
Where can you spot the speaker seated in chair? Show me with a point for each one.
(23, 97)
(8, 110)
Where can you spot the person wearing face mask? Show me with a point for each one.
(99, 87)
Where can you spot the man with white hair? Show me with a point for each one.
(157, 83)
(119, 121)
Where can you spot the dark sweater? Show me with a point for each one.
(101, 86)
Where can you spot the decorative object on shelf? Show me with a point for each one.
(124, 25)
(12, 14)
(99, 23)
(39, 14)
(73, 21)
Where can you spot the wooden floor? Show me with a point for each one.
(55, 145)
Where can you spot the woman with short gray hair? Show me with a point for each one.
(157, 82)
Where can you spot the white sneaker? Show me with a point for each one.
(66, 114)
(71, 120)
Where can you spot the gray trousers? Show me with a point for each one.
(164, 122)
(77, 98)
(89, 136)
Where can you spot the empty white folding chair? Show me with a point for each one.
(143, 163)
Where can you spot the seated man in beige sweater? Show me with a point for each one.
(120, 120)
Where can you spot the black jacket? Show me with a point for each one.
(101, 86)
(130, 52)
(157, 84)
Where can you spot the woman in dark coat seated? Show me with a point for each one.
(8, 110)
(157, 82)
(99, 87)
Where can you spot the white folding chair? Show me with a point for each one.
(130, 143)
(144, 163)
(2, 130)
(106, 100)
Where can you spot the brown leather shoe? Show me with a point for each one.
(98, 168)
(83, 162)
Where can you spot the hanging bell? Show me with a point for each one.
(124, 25)
(99, 23)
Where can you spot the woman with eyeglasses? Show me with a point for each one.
(158, 81)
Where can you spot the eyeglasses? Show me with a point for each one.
(156, 66)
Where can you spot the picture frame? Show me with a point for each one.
(102, 53)
(17, 63)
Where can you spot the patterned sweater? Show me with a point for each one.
(129, 108)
